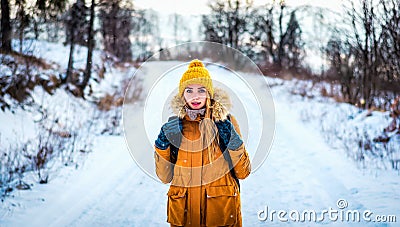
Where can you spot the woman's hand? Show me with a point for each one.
(170, 133)
(229, 135)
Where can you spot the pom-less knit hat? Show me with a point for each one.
(196, 74)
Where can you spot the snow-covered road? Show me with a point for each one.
(300, 173)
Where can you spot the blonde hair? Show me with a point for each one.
(210, 131)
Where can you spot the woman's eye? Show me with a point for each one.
(189, 91)
(202, 90)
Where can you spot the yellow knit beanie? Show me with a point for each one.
(196, 74)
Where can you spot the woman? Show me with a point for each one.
(189, 153)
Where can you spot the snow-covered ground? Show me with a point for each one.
(59, 122)
(345, 126)
(62, 104)
(302, 172)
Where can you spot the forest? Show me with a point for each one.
(361, 54)
(359, 50)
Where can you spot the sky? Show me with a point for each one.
(200, 6)
(188, 8)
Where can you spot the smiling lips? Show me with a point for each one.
(195, 104)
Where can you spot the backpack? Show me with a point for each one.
(222, 146)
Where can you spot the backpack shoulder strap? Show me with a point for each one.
(173, 150)
(172, 118)
(228, 158)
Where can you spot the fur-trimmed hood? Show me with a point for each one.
(221, 104)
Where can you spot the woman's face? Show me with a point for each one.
(195, 96)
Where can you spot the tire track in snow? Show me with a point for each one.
(82, 190)
(296, 175)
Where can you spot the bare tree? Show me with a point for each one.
(227, 22)
(366, 57)
(281, 43)
(177, 22)
(341, 56)
(390, 45)
(365, 35)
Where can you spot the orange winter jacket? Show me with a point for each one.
(202, 193)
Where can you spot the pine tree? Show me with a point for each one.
(23, 21)
(48, 17)
(292, 45)
(75, 31)
(76, 24)
(116, 25)
(145, 33)
(6, 29)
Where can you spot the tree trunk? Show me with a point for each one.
(88, 70)
(21, 40)
(71, 57)
(281, 38)
(5, 26)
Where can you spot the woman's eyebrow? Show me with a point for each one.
(190, 88)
